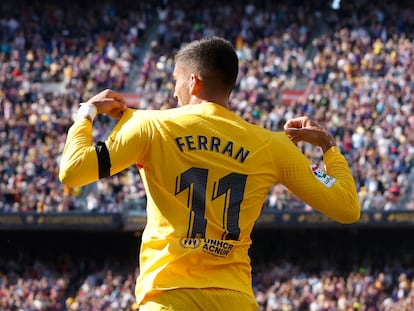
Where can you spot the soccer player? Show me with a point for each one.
(207, 173)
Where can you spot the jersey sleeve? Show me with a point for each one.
(330, 190)
(79, 164)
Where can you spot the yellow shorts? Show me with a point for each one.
(194, 299)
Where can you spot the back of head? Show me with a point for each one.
(213, 59)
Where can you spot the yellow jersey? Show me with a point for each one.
(207, 173)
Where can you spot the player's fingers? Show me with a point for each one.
(292, 133)
(110, 106)
(289, 124)
(295, 123)
(116, 113)
(118, 97)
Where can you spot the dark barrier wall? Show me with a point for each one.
(121, 222)
(61, 221)
(348, 246)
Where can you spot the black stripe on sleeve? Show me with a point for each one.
(104, 162)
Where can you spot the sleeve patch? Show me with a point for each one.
(320, 175)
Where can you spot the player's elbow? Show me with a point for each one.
(352, 217)
(73, 176)
(68, 179)
(351, 214)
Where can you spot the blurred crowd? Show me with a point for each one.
(353, 65)
(52, 57)
(65, 283)
(288, 287)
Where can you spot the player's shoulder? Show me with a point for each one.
(263, 131)
(150, 113)
(166, 111)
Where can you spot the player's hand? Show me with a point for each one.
(110, 103)
(305, 129)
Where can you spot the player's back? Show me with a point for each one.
(213, 162)
(207, 173)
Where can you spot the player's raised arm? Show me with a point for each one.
(82, 162)
(330, 190)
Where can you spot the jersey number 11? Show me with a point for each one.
(231, 186)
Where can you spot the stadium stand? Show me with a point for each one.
(366, 80)
(351, 69)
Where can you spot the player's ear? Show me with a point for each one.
(195, 84)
